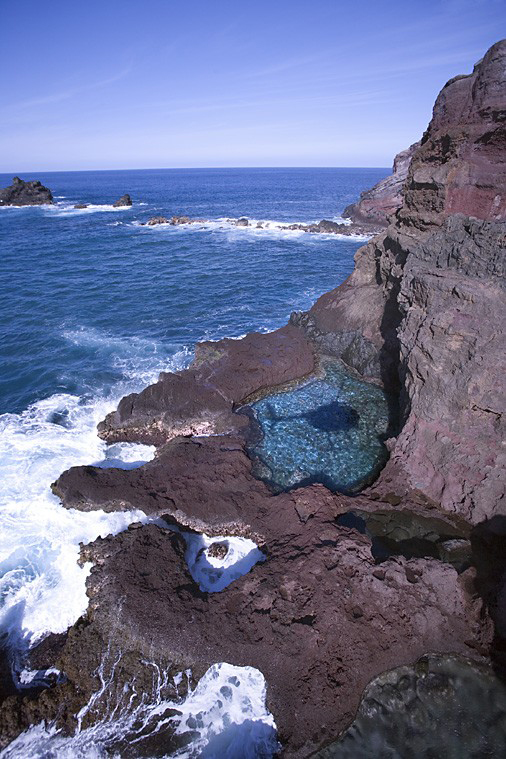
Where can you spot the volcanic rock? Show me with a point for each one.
(21, 193)
(242, 222)
(156, 220)
(125, 200)
(200, 399)
(325, 613)
(293, 617)
(381, 201)
(81, 205)
(423, 309)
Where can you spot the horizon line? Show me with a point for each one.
(183, 168)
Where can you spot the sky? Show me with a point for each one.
(205, 83)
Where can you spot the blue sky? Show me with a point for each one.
(160, 83)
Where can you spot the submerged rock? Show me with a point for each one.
(441, 706)
(125, 200)
(21, 193)
(81, 205)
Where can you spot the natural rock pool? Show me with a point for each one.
(328, 430)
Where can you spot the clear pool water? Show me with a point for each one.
(328, 430)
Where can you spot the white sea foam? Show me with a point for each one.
(41, 584)
(67, 209)
(42, 587)
(257, 228)
(226, 713)
(213, 573)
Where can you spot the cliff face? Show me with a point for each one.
(423, 309)
(377, 204)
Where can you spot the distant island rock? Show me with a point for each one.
(125, 200)
(21, 193)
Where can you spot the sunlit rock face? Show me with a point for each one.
(442, 706)
(328, 430)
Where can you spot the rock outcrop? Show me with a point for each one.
(21, 193)
(323, 227)
(201, 399)
(424, 308)
(381, 201)
(125, 200)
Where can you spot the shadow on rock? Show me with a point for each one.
(488, 540)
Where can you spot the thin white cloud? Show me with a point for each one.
(57, 97)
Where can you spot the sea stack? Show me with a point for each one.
(21, 193)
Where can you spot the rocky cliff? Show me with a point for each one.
(381, 201)
(21, 193)
(423, 311)
(421, 314)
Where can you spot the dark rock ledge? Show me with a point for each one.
(323, 616)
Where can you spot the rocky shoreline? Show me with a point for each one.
(323, 227)
(324, 615)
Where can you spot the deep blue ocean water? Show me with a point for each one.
(88, 297)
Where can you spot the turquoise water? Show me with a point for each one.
(328, 430)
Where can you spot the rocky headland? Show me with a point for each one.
(352, 586)
(21, 193)
(379, 203)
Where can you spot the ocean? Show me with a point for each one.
(94, 305)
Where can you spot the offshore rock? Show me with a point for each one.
(125, 200)
(381, 201)
(21, 193)
(156, 220)
(201, 399)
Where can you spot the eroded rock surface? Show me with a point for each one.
(424, 308)
(381, 201)
(21, 193)
(318, 617)
(200, 400)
